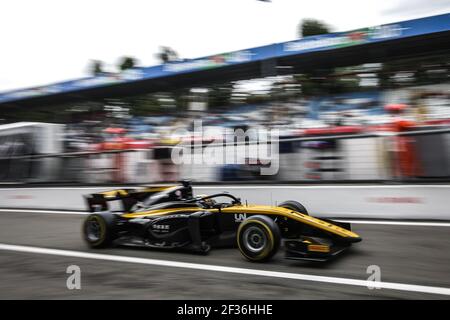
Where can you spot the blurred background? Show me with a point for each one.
(370, 104)
(99, 95)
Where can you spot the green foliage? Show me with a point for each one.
(127, 63)
(312, 27)
(219, 95)
(95, 67)
(167, 54)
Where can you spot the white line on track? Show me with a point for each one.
(216, 268)
(355, 221)
(316, 187)
(6, 210)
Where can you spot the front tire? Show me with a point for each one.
(295, 206)
(258, 238)
(99, 229)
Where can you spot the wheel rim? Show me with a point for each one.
(255, 239)
(93, 230)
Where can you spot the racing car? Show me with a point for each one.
(171, 217)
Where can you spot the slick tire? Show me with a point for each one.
(294, 205)
(258, 238)
(99, 229)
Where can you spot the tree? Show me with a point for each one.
(312, 27)
(219, 95)
(314, 82)
(167, 54)
(95, 67)
(127, 63)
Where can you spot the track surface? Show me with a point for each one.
(418, 255)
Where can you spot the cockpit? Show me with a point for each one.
(178, 197)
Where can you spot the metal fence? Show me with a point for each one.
(408, 156)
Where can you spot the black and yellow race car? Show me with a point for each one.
(171, 217)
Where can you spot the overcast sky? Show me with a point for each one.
(45, 41)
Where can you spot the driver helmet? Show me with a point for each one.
(209, 202)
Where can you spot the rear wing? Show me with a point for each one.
(126, 198)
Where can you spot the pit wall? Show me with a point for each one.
(405, 202)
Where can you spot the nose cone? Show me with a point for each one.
(354, 239)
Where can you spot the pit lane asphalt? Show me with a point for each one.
(418, 255)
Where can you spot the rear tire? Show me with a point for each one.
(258, 238)
(294, 205)
(99, 229)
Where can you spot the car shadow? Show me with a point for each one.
(351, 253)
